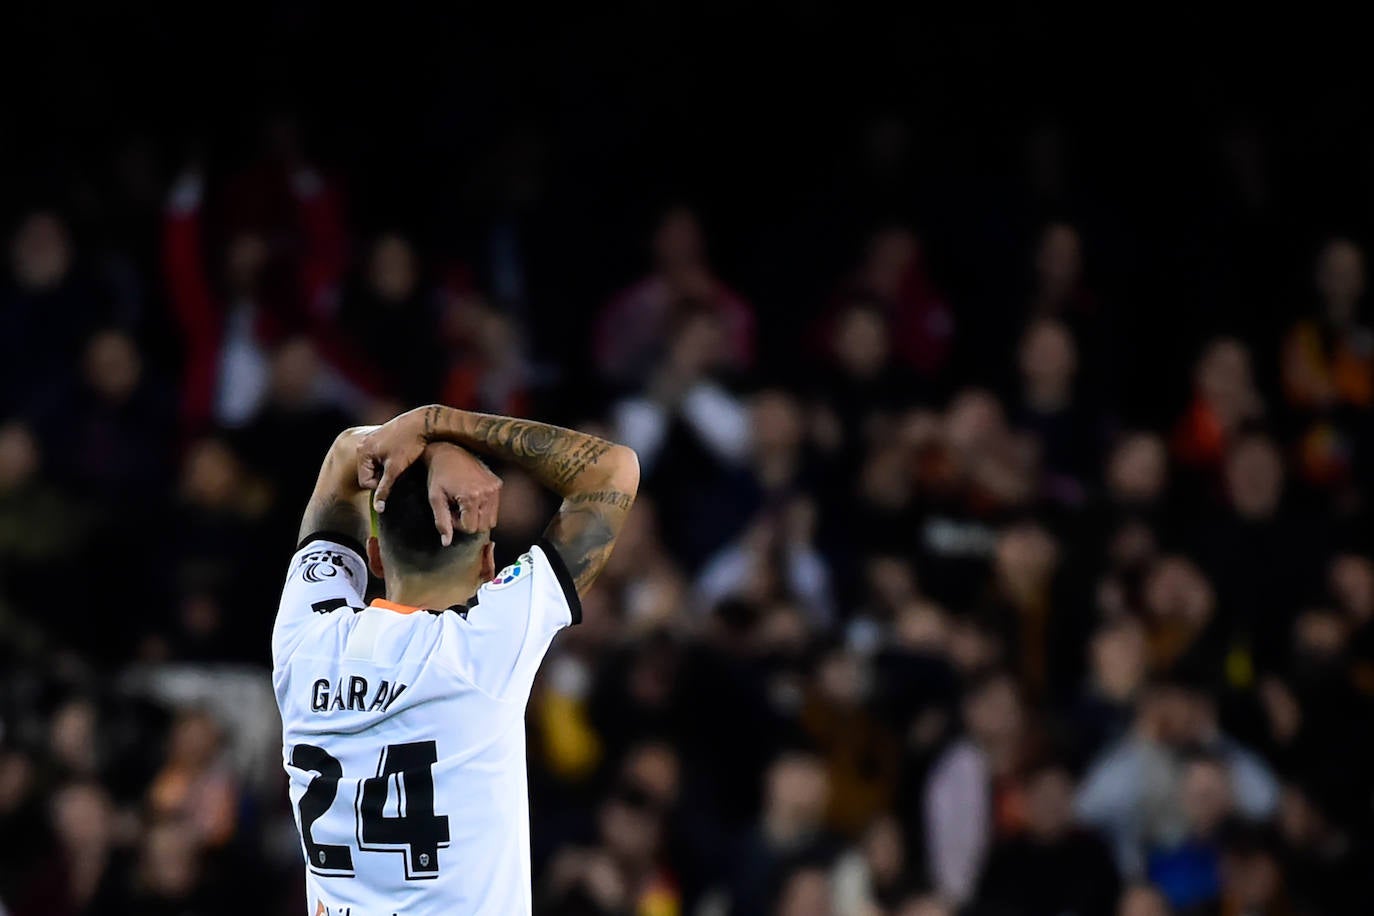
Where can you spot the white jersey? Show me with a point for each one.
(403, 734)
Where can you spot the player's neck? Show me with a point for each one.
(431, 592)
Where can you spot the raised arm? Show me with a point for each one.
(339, 505)
(596, 479)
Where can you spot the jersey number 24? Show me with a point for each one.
(415, 830)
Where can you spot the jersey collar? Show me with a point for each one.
(385, 605)
(393, 606)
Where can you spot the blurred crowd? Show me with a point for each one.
(911, 619)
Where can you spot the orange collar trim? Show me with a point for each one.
(393, 606)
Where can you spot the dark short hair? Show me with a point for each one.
(406, 529)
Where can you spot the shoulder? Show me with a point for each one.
(961, 759)
(539, 575)
(324, 555)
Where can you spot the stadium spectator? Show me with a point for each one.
(1050, 866)
(390, 315)
(1049, 408)
(972, 796)
(640, 322)
(1225, 399)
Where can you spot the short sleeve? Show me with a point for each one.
(327, 573)
(501, 639)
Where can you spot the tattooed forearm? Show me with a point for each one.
(338, 505)
(557, 457)
(583, 538)
(597, 479)
(614, 498)
(432, 414)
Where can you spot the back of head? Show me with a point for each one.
(409, 539)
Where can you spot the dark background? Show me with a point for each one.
(1191, 146)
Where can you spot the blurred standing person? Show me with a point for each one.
(1325, 865)
(694, 438)
(295, 421)
(872, 877)
(107, 437)
(636, 326)
(195, 785)
(1060, 291)
(1021, 597)
(486, 367)
(860, 384)
(1320, 717)
(108, 432)
(1263, 557)
(774, 560)
(1050, 867)
(740, 685)
(1131, 520)
(790, 832)
(209, 559)
(42, 529)
(169, 877)
(1327, 366)
(1178, 608)
(263, 290)
(893, 278)
(1225, 398)
(1131, 790)
(49, 308)
(1060, 288)
(972, 795)
(22, 818)
(1252, 878)
(1117, 670)
(391, 315)
(1187, 868)
(862, 756)
(81, 874)
(969, 474)
(1048, 406)
(623, 873)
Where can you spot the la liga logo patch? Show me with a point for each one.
(512, 572)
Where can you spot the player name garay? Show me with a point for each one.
(353, 692)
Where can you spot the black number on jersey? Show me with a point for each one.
(414, 830)
(324, 858)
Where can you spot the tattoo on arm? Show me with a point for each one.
(613, 498)
(432, 414)
(555, 455)
(596, 498)
(584, 533)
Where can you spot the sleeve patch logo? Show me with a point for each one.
(512, 572)
(323, 565)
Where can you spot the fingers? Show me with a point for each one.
(384, 487)
(443, 514)
(478, 512)
(491, 506)
(368, 473)
(470, 519)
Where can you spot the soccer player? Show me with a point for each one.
(403, 720)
